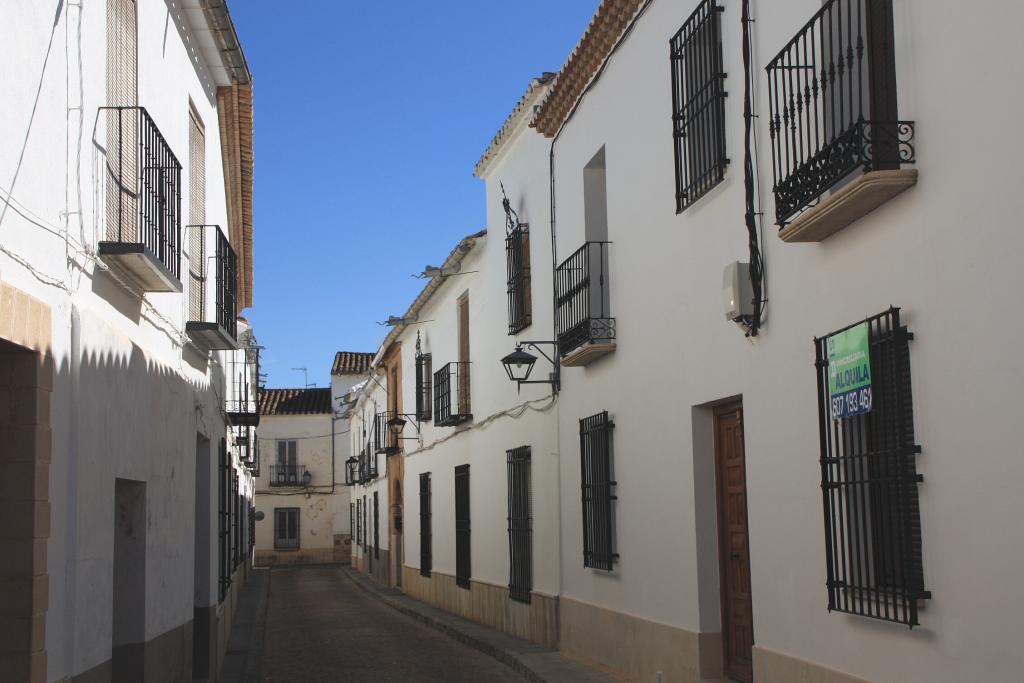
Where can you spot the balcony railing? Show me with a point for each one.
(287, 475)
(143, 201)
(367, 464)
(582, 314)
(452, 395)
(832, 94)
(221, 332)
(242, 403)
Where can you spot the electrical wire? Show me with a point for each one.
(749, 158)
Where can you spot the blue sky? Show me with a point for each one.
(369, 119)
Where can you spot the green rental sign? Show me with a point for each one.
(849, 372)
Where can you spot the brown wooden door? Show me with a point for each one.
(733, 543)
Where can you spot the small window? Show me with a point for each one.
(598, 491)
(869, 471)
(286, 528)
(462, 530)
(520, 525)
(426, 557)
(698, 104)
(423, 387)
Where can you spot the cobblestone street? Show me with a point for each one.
(320, 627)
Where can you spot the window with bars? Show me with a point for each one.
(236, 524)
(223, 521)
(462, 547)
(376, 527)
(598, 491)
(520, 525)
(359, 523)
(424, 387)
(366, 524)
(286, 528)
(351, 518)
(517, 257)
(426, 557)
(698, 104)
(869, 483)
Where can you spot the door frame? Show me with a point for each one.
(719, 411)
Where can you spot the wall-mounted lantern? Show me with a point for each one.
(306, 478)
(350, 470)
(519, 364)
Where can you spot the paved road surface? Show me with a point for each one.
(322, 628)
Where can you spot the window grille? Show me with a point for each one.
(698, 104)
(286, 528)
(451, 395)
(520, 525)
(376, 527)
(517, 256)
(423, 387)
(252, 529)
(598, 491)
(582, 307)
(236, 523)
(366, 524)
(351, 518)
(462, 547)
(426, 557)
(869, 485)
(359, 523)
(223, 521)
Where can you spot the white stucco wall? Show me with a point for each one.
(130, 393)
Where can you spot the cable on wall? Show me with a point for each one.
(752, 214)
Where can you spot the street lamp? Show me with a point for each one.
(350, 470)
(396, 426)
(306, 478)
(519, 364)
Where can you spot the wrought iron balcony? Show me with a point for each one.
(242, 403)
(288, 475)
(142, 182)
(452, 395)
(585, 328)
(367, 464)
(832, 95)
(221, 331)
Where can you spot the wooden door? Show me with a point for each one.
(733, 543)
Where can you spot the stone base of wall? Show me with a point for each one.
(775, 667)
(489, 605)
(342, 548)
(164, 659)
(637, 649)
(279, 558)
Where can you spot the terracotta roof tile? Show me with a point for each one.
(523, 109)
(605, 29)
(351, 363)
(295, 401)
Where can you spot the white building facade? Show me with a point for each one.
(723, 505)
(128, 381)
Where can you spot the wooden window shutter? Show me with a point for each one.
(463, 372)
(196, 218)
(122, 127)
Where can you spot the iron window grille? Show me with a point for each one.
(424, 387)
(359, 523)
(366, 524)
(582, 313)
(242, 402)
(236, 523)
(144, 181)
(376, 526)
(520, 525)
(698, 104)
(287, 475)
(869, 485)
(451, 395)
(286, 528)
(462, 527)
(351, 518)
(383, 440)
(598, 491)
(367, 464)
(223, 521)
(426, 540)
(252, 530)
(832, 96)
(517, 257)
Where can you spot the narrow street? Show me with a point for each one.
(322, 628)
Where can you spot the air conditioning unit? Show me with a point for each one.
(737, 292)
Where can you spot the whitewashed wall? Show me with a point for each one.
(943, 251)
(128, 401)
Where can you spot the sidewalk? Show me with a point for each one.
(532, 661)
(245, 644)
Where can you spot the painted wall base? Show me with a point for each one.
(636, 649)
(775, 667)
(487, 604)
(164, 659)
(278, 558)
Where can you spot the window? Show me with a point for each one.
(351, 518)
(462, 547)
(236, 523)
(286, 528)
(223, 520)
(286, 471)
(359, 523)
(196, 217)
(376, 527)
(698, 104)
(520, 525)
(869, 482)
(423, 386)
(517, 257)
(463, 374)
(425, 537)
(366, 524)
(598, 491)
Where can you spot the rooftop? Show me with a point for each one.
(351, 363)
(295, 401)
